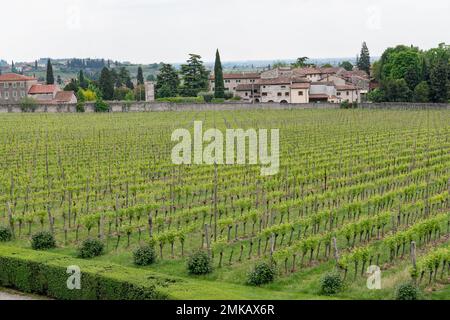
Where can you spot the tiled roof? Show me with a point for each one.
(64, 96)
(304, 85)
(346, 87)
(244, 75)
(323, 83)
(15, 77)
(275, 81)
(42, 89)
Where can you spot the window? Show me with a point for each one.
(14, 85)
(22, 94)
(300, 93)
(279, 94)
(234, 88)
(238, 81)
(246, 94)
(22, 84)
(283, 87)
(6, 95)
(264, 94)
(348, 93)
(338, 94)
(286, 94)
(227, 81)
(15, 94)
(6, 85)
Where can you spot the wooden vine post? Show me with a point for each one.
(336, 251)
(215, 201)
(413, 258)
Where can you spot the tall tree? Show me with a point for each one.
(347, 65)
(167, 82)
(106, 84)
(439, 81)
(50, 79)
(301, 62)
(195, 76)
(82, 80)
(13, 67)
(140, 76)
(364, 59)
(219, 85)
(35, 65)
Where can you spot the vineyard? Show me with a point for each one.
(355, 188)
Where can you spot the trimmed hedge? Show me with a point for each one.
(46, 274)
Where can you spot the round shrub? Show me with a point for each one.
(91, 248)
(407, 291)
(262, 274)
(207, 96)
(199, 263)
(331, 283)
(144, 256)
(228, 95)
(43, 240)
(5, 234)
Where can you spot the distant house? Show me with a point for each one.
(43, 92)
(233, 80)
(65, 97)
(15, 87)
(298, 85)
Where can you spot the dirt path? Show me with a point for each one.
(6, 294)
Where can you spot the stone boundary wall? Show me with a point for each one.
(163, 106)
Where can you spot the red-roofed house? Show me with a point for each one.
(232, 80)
(43, 91)
(65, 97)
(14, 87)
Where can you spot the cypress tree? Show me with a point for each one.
(50, 76)
(219, 86)
(82, 80)
(140, 76)
(106, 84)
(364, 59)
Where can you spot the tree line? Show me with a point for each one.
(408, 74)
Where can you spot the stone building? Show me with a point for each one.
(233, 80)
(14, 87)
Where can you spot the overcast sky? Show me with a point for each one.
(146, 31)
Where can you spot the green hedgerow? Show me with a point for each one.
(144, 256)
(43, 240)
(407, 291)
(101, 106)
(5, 234)
(331, 283)
(262, 273)
(91, 248)
(199, 263)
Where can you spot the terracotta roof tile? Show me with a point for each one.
(15, 77)
(64, 96)
(244, 75)
(42, 89)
